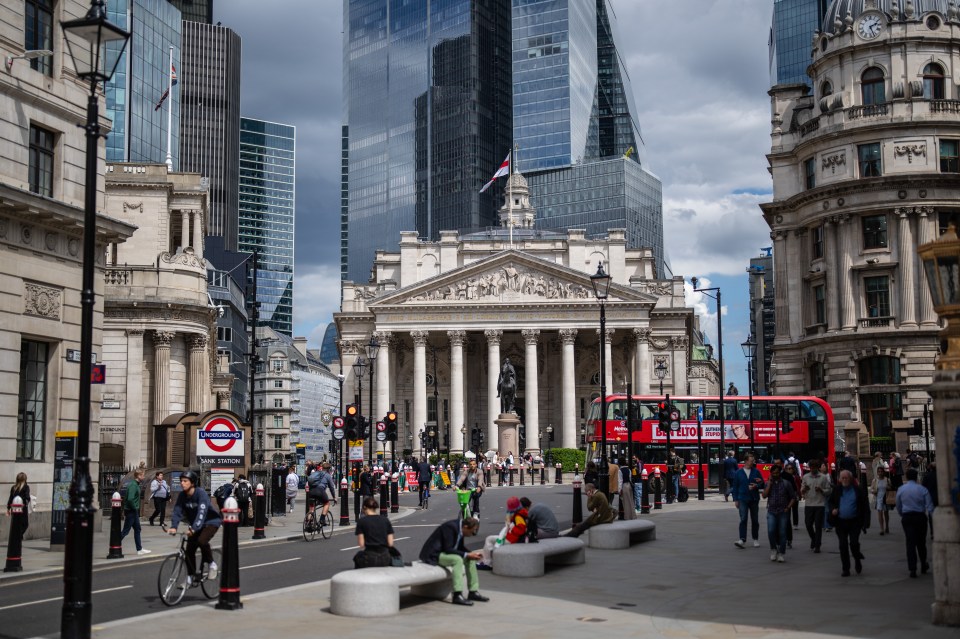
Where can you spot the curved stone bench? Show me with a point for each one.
(375, 592)
(529, 560)
(620, 534)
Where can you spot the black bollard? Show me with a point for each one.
(577, 505)
(543, 473)
(15, 543)
(356, 503)
(657, 490)
(500, 473)
(645, 497)
(384, 499)
(344, 502)
(259, 512)
(395, 493)
(523, 471)
(558, 473)
(116, 514)
(230, 570)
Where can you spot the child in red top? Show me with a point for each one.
(514, 532)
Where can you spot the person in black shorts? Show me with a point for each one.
(374, 536)
(319, 483)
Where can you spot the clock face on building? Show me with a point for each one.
(869, 26)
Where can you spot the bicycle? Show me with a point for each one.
(463, 499)
(313, 525)
(172, 579)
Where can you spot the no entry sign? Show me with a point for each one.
(220, 442)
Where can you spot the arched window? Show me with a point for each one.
(872, 86)
(933, 86)
(826, 89)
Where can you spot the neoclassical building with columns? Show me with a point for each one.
(446, 314)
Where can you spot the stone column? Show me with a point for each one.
(199, 378)
(134, 446)
(926, 232)
(781, 300)
(161, 374)
(493, 373)
(532, 391)
(907, 280)
(456, 390)
(198, 233)
(568, 336)
(641, 384)
(679, 345)
(831, 293)
(419, 385)
(848, 306)
(383, 374)
(184, 229)
(795, 255)
(608, 357)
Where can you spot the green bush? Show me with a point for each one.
(568, 457)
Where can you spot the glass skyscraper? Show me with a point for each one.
(791, 34)
(267, 173)
(139, 131)
(427, 120)
(195, 10)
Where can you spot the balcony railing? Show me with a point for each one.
(809, 127)
(118, 276)
(876, 322)
(945, 106)
(868, 111)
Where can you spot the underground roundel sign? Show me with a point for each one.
(220, 442)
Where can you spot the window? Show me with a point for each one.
(817, 376)
(933, 82)
(949, 153)
(278, 421)
(278, 366)
(32, 403)
(810, 172)
(41, 161)
(819, 305)
(818, 242)
(432, 409)
(879, 410)
(871, 86)
(278, 383)
(278, 403)
(278, 441)
(38, 32)
(826, 89)
(224, 334)
(875, 231)
(879, 369)
(869, 155)
(877, 290)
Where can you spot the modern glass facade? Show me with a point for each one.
(427, 109)
(195, 10)
(139, 131)
(791, 34)
(267, 204)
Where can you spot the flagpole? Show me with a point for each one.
(510, 196)
(170, 112)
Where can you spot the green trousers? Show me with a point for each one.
(458, 566)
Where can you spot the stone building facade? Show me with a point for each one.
(865, 168)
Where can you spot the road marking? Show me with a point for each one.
(357, 547)
(270, 563)
(40, 601)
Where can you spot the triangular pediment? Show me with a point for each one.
(508, 277)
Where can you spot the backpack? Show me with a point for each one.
(221, 494)
(243, 491)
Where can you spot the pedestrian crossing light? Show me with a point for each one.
(352, 422)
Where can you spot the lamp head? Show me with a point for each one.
(694, 280)
(87, 39)
(601, 283)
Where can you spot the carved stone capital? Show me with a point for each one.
(135, 332)
(642, 334)
(493, 335)
(568, 335)
(163, 339)
(348, 346)
(383, 338)
(530, 335)
(198, 342)
(457, 338)
(679, 342)
(419, 337)
(609, 333)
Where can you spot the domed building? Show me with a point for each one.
(865, 168)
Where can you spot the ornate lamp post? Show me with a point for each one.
(87, 39)
(373, 349)
(601, 289)
(660, 370)
(750, 352)
(358, 367)
(941, 262)
(549, 444)
(463, 438)
(723, 411)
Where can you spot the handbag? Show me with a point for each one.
(890, 499)
(396, 559)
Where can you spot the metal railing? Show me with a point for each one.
(876, 322)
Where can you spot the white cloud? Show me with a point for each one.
(705, 307)
(316, 298)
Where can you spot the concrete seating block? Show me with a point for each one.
(529, 560)
(375, 592)
(621, 534)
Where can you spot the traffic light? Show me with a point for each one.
(786, 426)
(663, 414)
(352, 422)
(365, 421)
(391, 422)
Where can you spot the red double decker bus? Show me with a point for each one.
(804, 424)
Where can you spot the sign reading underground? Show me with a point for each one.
(220, 442)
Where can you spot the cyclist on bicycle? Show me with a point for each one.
(194, 507)
(471, 478)
(319, 481)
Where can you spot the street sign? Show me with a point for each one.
(338, 423)
(381, 427)
(700, 413)
(381, 436)
(338, 433)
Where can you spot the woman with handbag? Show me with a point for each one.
(375, 538)
(885, 496)
(21, 489)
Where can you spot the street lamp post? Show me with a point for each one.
(601, 288)
(723, 411)
(340, 379)
(358, 367)
(750, 352)
(549, 443)
(373, 349)
(94, 62)
(463, 438)
(660, 370)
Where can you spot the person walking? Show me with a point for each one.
(930, 483)
(879, 488)
(815, 488)
(160, 493)
(747, 484)
(20, 489)
(675, 470)
(471, 478)
(292, 487)
(780, 494)
(914, 504)
(730, 468)
(445, 547)
(850, 514)
(131, 511)
(424, 477)
(242, 492)
(790, 473)
(637, 478)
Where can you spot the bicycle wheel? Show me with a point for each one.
(172, 580)
(310, 526)
(326, 529)
(211, 584)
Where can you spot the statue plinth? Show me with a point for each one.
(507, 435)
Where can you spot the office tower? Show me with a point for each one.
(791, 33)
(195, 10)
(427, 119)
(227, 286)
(762, 320)
(267, 173)
(210, 120)
(580, 145)
(139, 131)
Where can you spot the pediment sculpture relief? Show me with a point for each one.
(507, 282)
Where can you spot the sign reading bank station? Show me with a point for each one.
(220, 442)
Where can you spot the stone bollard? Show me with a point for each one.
(543, 473)
(15, 543)
(511, 474)
(116, 514)
(230, 570)
(657, 490)
(344, 502)
(395, 493)
(645, 497)
(577, 505)
(259, 512)
(384, 497)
